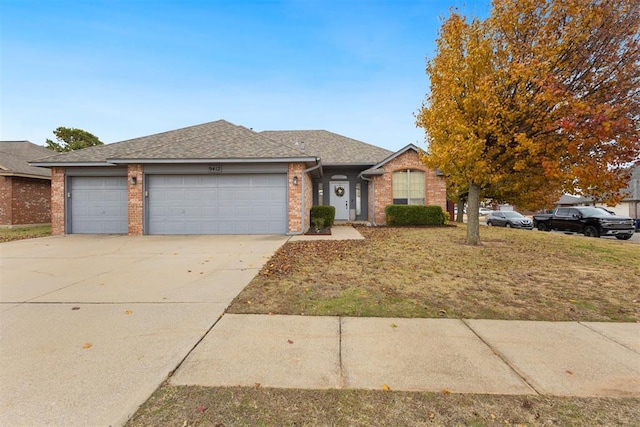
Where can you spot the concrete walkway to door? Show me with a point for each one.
(91, 325)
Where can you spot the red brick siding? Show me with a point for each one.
(25, 201)
(136, 200)
(435, 187)
(5, 200)
(57, 201)
(294, 196)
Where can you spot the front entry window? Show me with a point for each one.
(358, 198)
(320, 194)
(408, 187)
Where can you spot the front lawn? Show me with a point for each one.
(430, 272)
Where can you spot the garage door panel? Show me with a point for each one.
(217, 204)
(98, 205)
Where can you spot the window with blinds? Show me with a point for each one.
(408, 187)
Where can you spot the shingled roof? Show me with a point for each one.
(332, 148)
(15, 157)
(209, 141)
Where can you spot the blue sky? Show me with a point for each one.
(124, 69)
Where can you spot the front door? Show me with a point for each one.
(339, 198)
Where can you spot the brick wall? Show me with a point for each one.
(136, 200)
(294, 195)
(24, 201)
(435, 186)
(57, 201)
(5, 200)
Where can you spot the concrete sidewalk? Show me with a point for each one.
(461, 356)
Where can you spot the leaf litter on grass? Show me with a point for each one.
(423, 272)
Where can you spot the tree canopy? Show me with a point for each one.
(542, 97)
(70, 139)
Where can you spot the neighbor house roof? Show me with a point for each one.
(15, 157)
(332, 148)
(219, 140)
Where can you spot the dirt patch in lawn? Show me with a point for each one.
(241, 406)
(431, 272)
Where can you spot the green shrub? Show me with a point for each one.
(328, 213)
(414, 215)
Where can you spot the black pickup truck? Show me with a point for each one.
(587, 220)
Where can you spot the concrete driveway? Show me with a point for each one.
(90, 326)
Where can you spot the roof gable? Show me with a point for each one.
(332, 148)
(15, 157)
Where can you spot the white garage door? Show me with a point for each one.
(217, 204)
(98, 205)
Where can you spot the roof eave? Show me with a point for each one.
(372, 172)
(25, 175)
(366, 164)
(70, 164)
(217, 160)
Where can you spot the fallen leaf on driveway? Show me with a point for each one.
(128, 311)
(393, 325)
(386, 387)
(290, 342)
(75, 308)
(87, 345)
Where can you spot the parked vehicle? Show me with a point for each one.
(484, 211)
(509, 219)
(590, 221)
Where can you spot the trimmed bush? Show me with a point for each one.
(414, 215)
(328, 213)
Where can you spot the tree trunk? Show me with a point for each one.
(473, 215)
(460, 214)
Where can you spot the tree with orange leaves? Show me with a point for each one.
(543, 97)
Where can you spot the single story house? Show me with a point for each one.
(25, 191)
(220, 178)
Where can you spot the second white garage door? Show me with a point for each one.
(217, 204)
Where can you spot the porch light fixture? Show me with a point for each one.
(134, 180)
(295, 180)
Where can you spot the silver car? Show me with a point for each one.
(509, 219)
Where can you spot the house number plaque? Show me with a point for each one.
(215, 169)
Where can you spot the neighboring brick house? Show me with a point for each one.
(220, 178)
(25, 191)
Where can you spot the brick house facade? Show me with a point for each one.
(223, 194)
(25, 191)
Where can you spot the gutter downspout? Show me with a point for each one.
(373, 197)
(304, 172)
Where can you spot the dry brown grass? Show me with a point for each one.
(10, 234)
(430, 272)
(241, 406)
